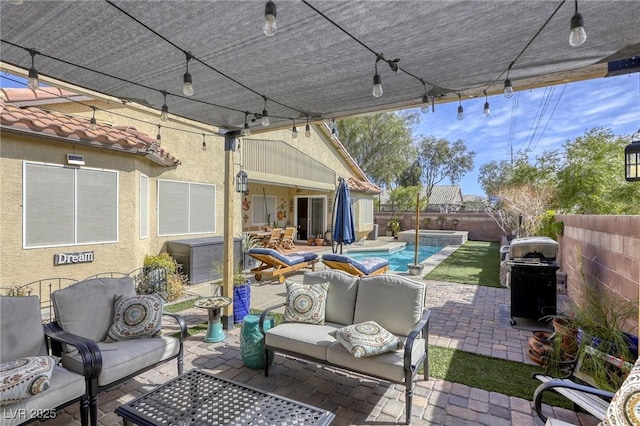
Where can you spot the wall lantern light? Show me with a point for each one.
(242, 182)
(632, 159)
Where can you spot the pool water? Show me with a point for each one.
(398, 259)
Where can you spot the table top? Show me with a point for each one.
(200, 398)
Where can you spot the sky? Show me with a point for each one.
(540, 119)
(537, 119)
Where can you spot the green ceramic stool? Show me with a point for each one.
(252, 341)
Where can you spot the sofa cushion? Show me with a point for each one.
(121, 359)
(366, 339)
(65, 386)
(306, 302)
(624, 408)
(21, 331)
(24, 377)
(86, 307)
(341, 296)
(394, 302)
(135, 317)
(309, 340)
(388, 366)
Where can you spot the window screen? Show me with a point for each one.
(366, 210)
(260, 215)
(144, 207)
(185, 208)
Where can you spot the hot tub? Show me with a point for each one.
(428, 237)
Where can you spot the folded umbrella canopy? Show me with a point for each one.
(344, 231)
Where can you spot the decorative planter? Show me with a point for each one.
(319, 241)
(311, 242)
(241, 301)
(415, 269)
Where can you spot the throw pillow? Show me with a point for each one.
(306, 302)
(624, 409)
(135, 317)
(24, 377)
(367, 339)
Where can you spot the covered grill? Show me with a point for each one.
(532, 277)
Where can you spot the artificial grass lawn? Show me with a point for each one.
(475, 262)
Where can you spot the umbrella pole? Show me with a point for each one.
(415, 254)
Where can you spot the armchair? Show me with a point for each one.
(22, 335)
(86, 309)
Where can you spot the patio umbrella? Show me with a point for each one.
(343, 228)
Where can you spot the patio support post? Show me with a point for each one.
(230, 144)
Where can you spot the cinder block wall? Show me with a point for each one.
(609, 248)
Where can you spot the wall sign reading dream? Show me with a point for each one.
(71, 258)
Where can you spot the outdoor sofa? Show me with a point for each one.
(274, 264)
(394, 303)
(362, 267)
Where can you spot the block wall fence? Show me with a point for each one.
(608, 248)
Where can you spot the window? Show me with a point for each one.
(366, 210)
(144, 207)
(261, 215)
(186, 208)
(68, 205)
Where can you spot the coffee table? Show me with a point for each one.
(200, 398)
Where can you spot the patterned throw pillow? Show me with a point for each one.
(24, 377)
(135, 317)
(306, 302)
(367, 339)
(624, 409)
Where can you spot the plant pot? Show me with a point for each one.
(311, 242)
(569, 335)
(415, 269)
(241, 301)
(319, 241)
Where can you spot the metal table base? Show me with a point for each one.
(199, 398)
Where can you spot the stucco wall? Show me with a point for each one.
(609, 249)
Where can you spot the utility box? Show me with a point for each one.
(202, 258)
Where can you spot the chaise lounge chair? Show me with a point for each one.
(280, 263)
(359, 268)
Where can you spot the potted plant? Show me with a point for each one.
(241, 296)
(248, 242)
(319, 240)
(394, 225)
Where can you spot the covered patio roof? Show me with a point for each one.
(320, 63)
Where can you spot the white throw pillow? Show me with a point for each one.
(367, 339)
(306, 302)
(135, 317)
(24, 377)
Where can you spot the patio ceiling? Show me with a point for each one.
(311, 67)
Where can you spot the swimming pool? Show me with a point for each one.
(399, 258)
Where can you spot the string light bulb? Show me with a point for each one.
(294, 131)
(92, 123)
(486, 111)
(377, 82)
(425, 104)
(460, 115)
(245, 130)
(164, 114)
(334, 129)
(508, 88)
(33, 82)
(158, 137)
(578, 35)
(187, 88)
(265, 114)
(270, 26)
(307, 129)
(204, 143)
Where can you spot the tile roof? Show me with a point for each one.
(445, 194)
(362, 186)
(68, 128)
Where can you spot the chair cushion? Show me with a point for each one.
(64, 386)
(309, 340)
(86, 307)
(289, 259)
(624, 408)
(366, 339)
(135, 317)
(341, 296)
(306, 302)
(24, 377)
(394, 302)
(122, 359)
(21, 331)
(366, 265)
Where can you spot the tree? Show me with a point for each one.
(403, 198)
(592, 178)
(526, 201)
(380, 144)
(441, 159)
(411, 175)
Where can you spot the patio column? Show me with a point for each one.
(230, 144)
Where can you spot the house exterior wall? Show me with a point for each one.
(608, 248)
